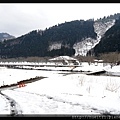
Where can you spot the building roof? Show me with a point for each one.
(63, 58)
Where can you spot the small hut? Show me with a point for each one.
(65, 60)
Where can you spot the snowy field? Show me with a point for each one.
(62, 92)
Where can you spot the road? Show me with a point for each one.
(20, 83)
(15, 109)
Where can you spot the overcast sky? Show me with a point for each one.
(20, 18)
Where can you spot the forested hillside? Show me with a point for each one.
(72, 38)
(38, 42)
(110, 42)
(5, 36)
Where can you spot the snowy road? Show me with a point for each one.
(15, 109)
(45, 104)
(48, 105)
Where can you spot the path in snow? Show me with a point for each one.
(47, 104)
(47, 101)
(15, 109)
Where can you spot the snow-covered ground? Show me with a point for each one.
(61, 92)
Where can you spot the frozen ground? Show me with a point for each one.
(61, 92)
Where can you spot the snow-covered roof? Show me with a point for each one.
(98, 60)
(63, 58)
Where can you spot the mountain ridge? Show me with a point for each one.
(70, 38)
(5, 36)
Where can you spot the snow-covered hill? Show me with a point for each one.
(69, 38)
(81, 48)
(5, 36)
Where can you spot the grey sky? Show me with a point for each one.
(20, 18)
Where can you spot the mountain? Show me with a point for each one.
(55, 41)
(88, 43)
(110, 42)
(5, 36)
(100, 27)
(70, 38)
